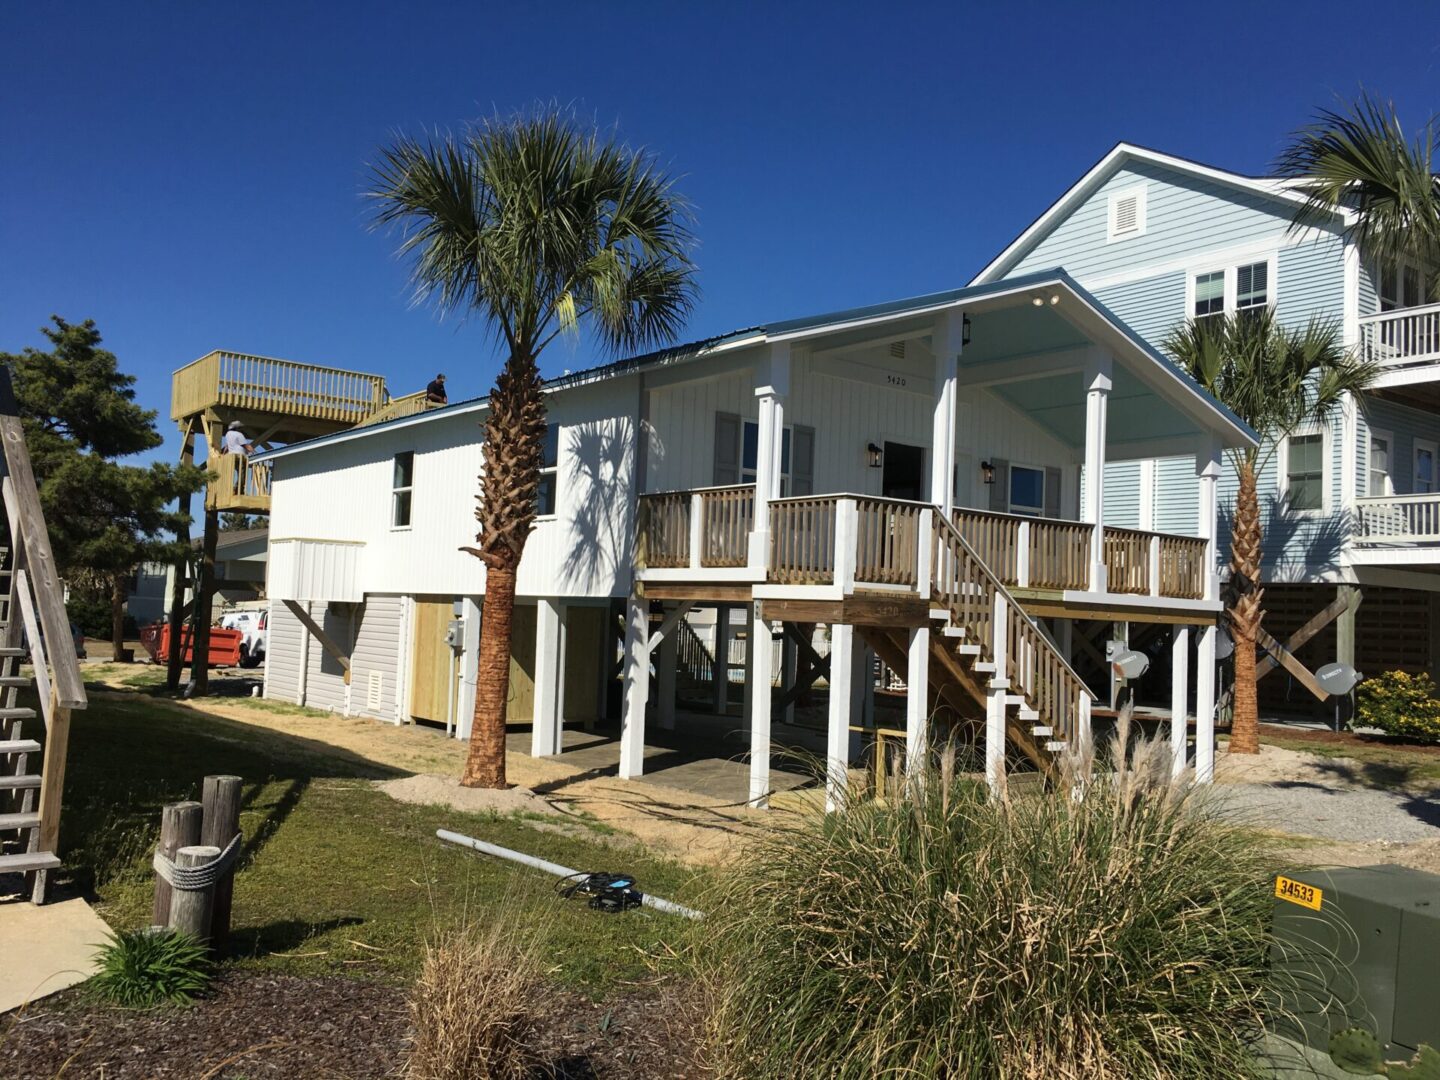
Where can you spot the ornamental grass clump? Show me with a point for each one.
(1400, 704)
(1117, 928)
(141, 969)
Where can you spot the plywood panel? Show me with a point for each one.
(433, 664)
(520, 705)
(584, 649)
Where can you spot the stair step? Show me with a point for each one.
(19, 681)
(968, 650)
(17, 714)
(19, 783)
(1042, 730)
(1056, 745)
(954, 631)
(1028, 715)
(19, 746)
(30, 860)
(939, 614)
(19, 821)
(984, 666)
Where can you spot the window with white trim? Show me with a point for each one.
(1399, 285)
(1305, 471)
(1027, 490)
(1209, 294)
(1252, 286)
(1244, 287)
(1125, 213)
(1381, 482)
(402, 489)
(1425, 479)
(546, 494)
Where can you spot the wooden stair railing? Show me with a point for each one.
(42, 629)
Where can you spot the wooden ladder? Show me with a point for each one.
(19, 785)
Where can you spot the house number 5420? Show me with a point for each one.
(895, 380)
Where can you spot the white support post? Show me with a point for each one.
(545, 729)
(697, 530)
(1207, 473)
(847, 528)
(917, 702)
(774, 384)
(721, 666)
(1085, 726)
(995, 741)
(1000, 642)
(666, 662)
(469, 666)
(947, 341)
(1022, 556)
(1179, 695)
(637, 688)
(760, 689)
(1097, 396)
(1154, 566)
(837, 757)
(924, 536)
(1205, 707)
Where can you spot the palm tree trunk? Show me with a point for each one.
(1245, 611)
(485, 763)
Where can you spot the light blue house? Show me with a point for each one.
(1352, 507)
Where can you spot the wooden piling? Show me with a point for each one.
(191, 910)
(221, 800)
(179, 827)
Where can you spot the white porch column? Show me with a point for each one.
(549, 677)
(1207, 473)
(469, 666)
(665, 664)
(772, 386)
(637, 688)
(837, 753)
(917, 702)
(1205, 706)
(1179, 695)
(995, 703)
(1097, 397)
(948, 340)
(762, 672)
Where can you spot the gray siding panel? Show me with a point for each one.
(282, 654)
(377, 651)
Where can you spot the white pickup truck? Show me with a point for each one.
(252, 624)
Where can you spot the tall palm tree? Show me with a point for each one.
(1359, 158)
(539, 226)
(1277, 380)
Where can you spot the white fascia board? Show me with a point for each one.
(1122, 152)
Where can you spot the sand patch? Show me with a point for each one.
(428, 790)
(1279, 764)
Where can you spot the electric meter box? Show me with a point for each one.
(1360, 947)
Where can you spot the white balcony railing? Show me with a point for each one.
(1402, 336)
(1399, 519)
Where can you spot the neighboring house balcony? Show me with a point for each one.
(240, 485)
(1397, 530)
(1404, 343)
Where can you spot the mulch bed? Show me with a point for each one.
(1280, 733)
(256, 1024)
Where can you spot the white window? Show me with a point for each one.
(1248, 286)
(1381, 480)
(402, 489)
(1027, 490)
(1209, 294)
(1126, 213)
(1400, 286)
(1305, 471)
(1425, 479)
(545, 495)
(1252, 285)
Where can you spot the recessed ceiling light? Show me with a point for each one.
(1038, 301)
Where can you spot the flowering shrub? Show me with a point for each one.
(1401, 704)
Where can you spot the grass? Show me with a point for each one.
(1383, 762)
(336, 876)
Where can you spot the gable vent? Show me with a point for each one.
(1127, 213)
(897, 350)
(375, 690)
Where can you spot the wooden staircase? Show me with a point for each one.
(990, 662)
(35, 626)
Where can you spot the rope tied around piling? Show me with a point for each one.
(196, 878)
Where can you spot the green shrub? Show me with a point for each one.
(143, 968)
(1124, 934)
(1400, 704)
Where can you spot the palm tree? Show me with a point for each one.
(1360, 159)
(539, 226)
(1277, 380)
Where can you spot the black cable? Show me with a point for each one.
(610, 893)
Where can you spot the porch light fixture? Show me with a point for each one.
(1038, 301)
(987, 469)
(964, 330)
(873, 454)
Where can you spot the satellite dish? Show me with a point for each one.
(1131, 664)
(1337, 678)
(1224, 645)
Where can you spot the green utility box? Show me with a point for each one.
(1360, 948)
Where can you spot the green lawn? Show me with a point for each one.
(337, 876)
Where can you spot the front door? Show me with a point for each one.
(904, 472)
(434, 661)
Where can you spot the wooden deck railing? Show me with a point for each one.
(727, 514)
(282, 387)
(1402, 336)
(240, 484)
(1127, 560)
(1026, 552)
(394, 408)
(887, 541)
(802, 540)
(1398, 519)
(664, 530)
(706, 528)
(1183, 566)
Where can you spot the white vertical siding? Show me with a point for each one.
(377, 652)
(283, 636)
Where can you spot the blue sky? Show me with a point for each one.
(188, 175)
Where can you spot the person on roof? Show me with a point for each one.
(435, 392)
(235, 441)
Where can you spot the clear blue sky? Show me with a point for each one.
(188, 175)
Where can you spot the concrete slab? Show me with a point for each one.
(45, 949)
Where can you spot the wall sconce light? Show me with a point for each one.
(964, 330)
(987, 469)
(874, 454)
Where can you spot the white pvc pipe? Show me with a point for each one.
(659, 904)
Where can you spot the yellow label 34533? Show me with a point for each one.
(1297, 892)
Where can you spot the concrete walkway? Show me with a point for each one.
(44, 949)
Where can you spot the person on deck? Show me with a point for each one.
(235, 441)
(435, 392)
